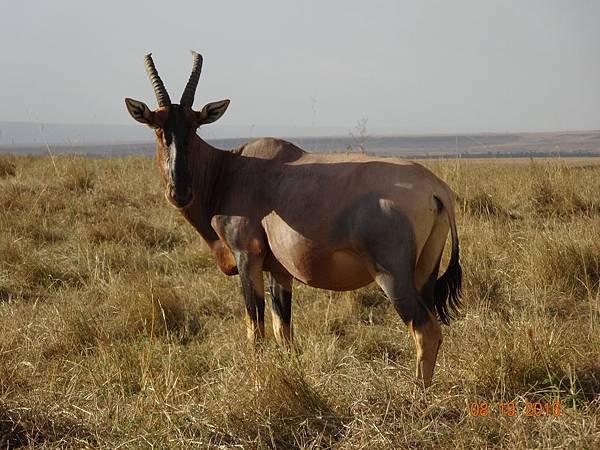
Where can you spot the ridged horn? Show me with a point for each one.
(187, 98)
(159, 88)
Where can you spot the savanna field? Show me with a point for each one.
(118, 331)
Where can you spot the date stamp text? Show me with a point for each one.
(511, 409)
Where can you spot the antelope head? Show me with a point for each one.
(175, 127)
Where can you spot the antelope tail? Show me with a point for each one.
(448, 287)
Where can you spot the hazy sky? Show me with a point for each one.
(408, 67)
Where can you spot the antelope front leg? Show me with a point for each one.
(280, 288)
(246, 241)
(250, 270)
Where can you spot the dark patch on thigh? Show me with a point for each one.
(388, 238)
(346, 222)
(439, 204)
(382, 232)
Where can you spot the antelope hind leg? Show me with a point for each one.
(428, 338)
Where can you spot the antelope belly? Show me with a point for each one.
(345, 271)
(318, 266)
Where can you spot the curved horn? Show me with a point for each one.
(187, 98)
(159, 88)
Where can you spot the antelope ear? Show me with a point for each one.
(139, 111)
(211, 112)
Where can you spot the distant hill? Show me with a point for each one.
(27, 133)
(108, 140)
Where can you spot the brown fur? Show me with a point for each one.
(334, 222)
(301, 210)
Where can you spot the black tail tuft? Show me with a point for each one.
(448, 289)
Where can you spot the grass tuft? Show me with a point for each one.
(279, 409)
(33, 427)
(78, 176)
(8, 168)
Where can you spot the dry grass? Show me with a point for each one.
(7, 167)
(117, 330)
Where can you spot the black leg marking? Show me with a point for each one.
(281, 308)
(281, 302)
(255, 304)
(253, 290)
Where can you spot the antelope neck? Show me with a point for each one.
(206, 167)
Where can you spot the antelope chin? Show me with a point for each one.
(178, 201)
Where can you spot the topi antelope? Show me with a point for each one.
(334, 222)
